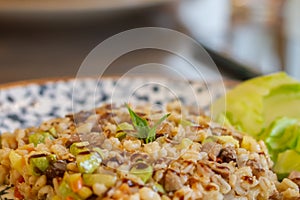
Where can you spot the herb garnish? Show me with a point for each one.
(144, 131)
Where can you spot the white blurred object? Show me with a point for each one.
(292, 22)
(211, 22)
(206, 25)
(244, 47)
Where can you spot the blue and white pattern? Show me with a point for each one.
(28, 105)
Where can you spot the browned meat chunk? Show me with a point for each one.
(228, 154)
(212, 149)
(73, 139)
(94, 139)
(56, 169)
(256, 166)
(172, 182)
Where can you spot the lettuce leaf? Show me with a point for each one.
(267, 108)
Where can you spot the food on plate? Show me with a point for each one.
(127, 152)
(268, 109)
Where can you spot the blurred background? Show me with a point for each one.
(245, 38)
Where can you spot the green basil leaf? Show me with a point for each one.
(137, 120)
(141, 125)
(152, 131)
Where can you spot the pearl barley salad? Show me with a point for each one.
(137, 152)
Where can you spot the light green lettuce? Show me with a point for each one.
(267, 108)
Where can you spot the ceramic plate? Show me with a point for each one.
(29, 103)
(24, 105)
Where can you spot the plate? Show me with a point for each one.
(28, 104)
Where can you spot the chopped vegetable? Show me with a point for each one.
(227, 139)
(88, 163)
(52, 158)
(107, 179)
(17, 161)
(72, 187)
(223, 139)
(122, 128)
(249, 143)
(53, 132)
(209, 139)
(75, 182)
(185, 122)
(17, 194)
(125, 127)
(144, 132)
(159, 188)
(142, 170)
(39, 137)
(66, 192)
(39, 164)
(121, 135)
(85, 192)
(287, 161)
(79, 147)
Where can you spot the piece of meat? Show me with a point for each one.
(73, 139)
(95, 139)
(256, 166)
(56, 169)
(212, 149)
(295, 177)
(228, 154)
(172, 182)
